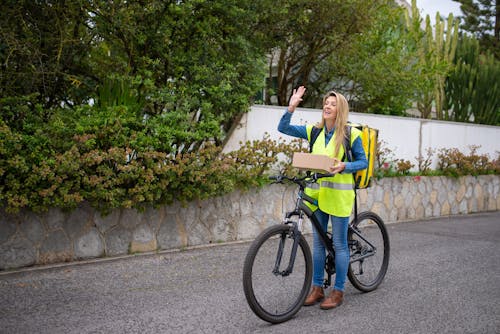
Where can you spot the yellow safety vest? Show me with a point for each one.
(335, 194)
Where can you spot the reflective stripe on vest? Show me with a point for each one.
(312, 185)
(335, 194)
(339, 186)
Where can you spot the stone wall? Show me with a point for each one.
(28, 239)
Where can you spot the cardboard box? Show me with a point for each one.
(312, 162)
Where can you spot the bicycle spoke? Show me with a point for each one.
(369, 245)
(273, 293)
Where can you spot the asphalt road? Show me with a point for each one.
(444, 277)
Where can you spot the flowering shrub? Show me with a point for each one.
(452, 162)
(89, 168)
(111, 165)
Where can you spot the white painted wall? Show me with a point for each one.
(404, 136)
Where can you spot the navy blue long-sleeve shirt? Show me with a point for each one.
(300, 131)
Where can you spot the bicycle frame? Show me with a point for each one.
(276, 286)
(300, 210)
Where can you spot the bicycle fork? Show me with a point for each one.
(279, 256)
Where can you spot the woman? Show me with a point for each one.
(335, 194)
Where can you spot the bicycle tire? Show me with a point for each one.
(272, 297)
(368, 273)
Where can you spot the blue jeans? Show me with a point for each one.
(340, 225)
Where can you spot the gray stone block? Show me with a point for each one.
(249, 228)
(107, 222)
(7, 228)
(210, 210)
(33, 228)
(17, 253)
(170, 234)
(56, 248)
(55, 219)
(118, 241)
(198, 234)
(143, 234)
(143, 239)
(130, 218)
(153, 217)
(78, 222)
(436, 210)
(89, 245)
(223, 230)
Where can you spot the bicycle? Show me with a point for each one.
(277, 271)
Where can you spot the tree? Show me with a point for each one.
(363, 55)
(188, 68)
(379, 71)
(43, 49)
(118, 102)
(482, 19)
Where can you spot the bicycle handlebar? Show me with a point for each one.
(300, 180)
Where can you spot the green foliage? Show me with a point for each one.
(472, 88)
(183, 69)
(424, 164)
(480, 18)
(452, 162)
(377, 70)
(364, 56)
(404, 166)
(43, 45)
(100, 160)
(257, 157)
(435, 48)
(125, 103)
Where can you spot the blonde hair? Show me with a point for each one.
(340, 120)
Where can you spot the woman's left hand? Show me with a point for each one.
(337, 166)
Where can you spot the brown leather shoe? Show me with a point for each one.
(335, 299)
(315, 296)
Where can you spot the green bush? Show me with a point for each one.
(106, 157)
(452, 162)
(110, 158)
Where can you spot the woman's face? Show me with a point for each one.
(330, 108)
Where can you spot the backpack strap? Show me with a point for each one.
(314, 135)
(347, 144)
(350, 158)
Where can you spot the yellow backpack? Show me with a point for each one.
(362, 178)
(369, 136)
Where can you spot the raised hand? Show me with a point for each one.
(296, 98)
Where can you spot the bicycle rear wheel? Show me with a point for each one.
(274, 295)
(370, 251)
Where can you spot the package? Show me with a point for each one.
(312, 162)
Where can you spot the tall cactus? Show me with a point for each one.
(486, 104)
(436, 49)
(460, 85)
(445, 53)
(472, 89)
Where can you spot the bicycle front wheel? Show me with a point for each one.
(274, 294)
(370, 249)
